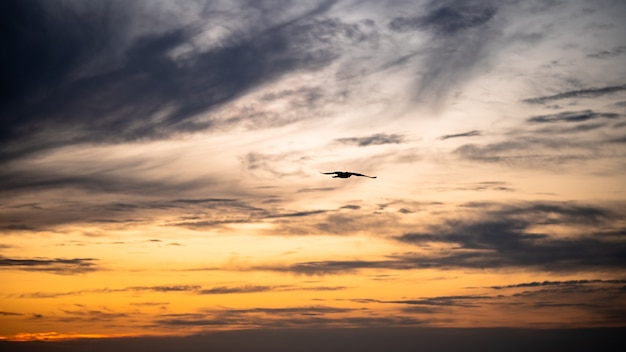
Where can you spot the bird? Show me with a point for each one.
(345, 174)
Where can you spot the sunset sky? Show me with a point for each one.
(160, 166)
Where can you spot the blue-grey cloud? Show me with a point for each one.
(461, 34)
(573, 116)
(472, 133)
(55, 266)
(604, 54)
(446, 18)
(243, 289)
(376, 139)
(559, 283)
(503, 237)
(148, 93)
(580, 93)
(498, 237)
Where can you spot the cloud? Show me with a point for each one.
(505, 237)
(206, 212)
(176, 288)
(472, 133)
(55, 266)
(539, 151)
(297, 214)
(464, 37)
(228, 290)
(10, 313)
(376, 139)
(447, 301)
(559, 283)
(581, 93)
(90, 315)
(259, 316)
(497, 236)
(572, 116)
(604, 54)
(334, 267)
(453, 17)
(145, 92)
(191, 289)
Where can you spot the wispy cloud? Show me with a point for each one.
(559, 283)
(54, 266)
(376, 139)
(458, 32)
(447, 19)
(472, 133)
(503, 237)
(604, 54)
(10, 313)
(243, 289)
(188, 289)
(580, 93)
(573, 116)
(145, 92)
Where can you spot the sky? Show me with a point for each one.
(160, 166)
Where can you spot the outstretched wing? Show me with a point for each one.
(357, 174)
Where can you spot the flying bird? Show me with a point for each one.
(345, 174)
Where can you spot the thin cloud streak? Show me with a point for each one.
(59, 266)
(580, 93)
(472, 133)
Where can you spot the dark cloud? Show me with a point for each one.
(85, 315)
(287, 316)
(532, 151)
(503, 237)
(578, 128)
(148, 93)
(192, 289)
(297, 214)
(604, 54)
(453, 17)
(448, 301)
(13, 180)
(561, 138)
(313, 310)
(242, 289)
(162, 289)
(54, 266)
(10, 313)
(176, 288)
(496, 236)
(572, 116)
(207, 212)
(490, 185)
(581, 93)
(559, 283)
(335, 267)
(376, 139)
(193, 322)
(472, 133)
(462, 34)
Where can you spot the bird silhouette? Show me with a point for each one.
(345, 174)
